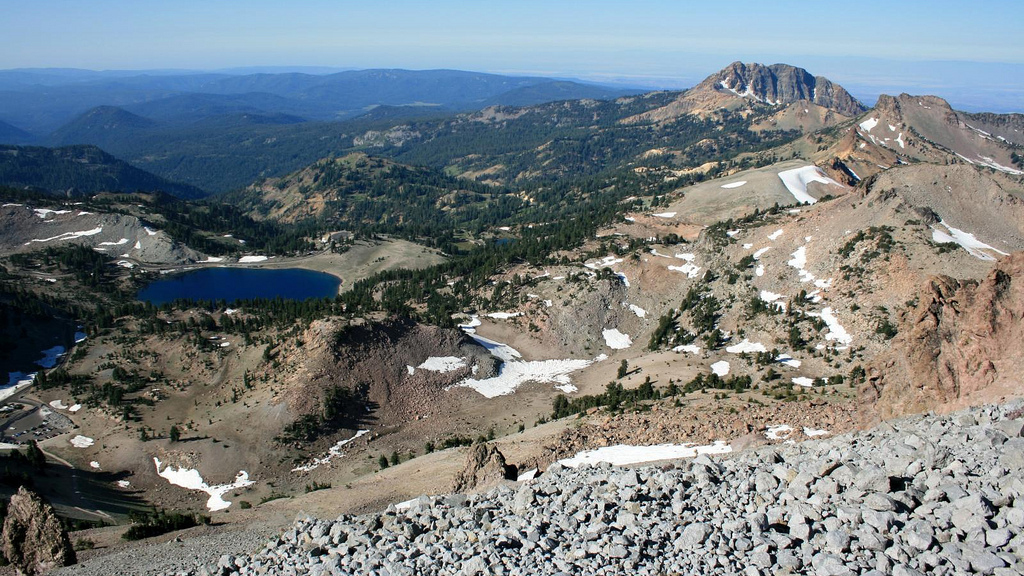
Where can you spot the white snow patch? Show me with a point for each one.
(788, 360)
(503, 315)
(251, 259)
(797, 179)
(640, 312)
(811, 432)
(658, 254)
(803, 381)
(120, 242)
(746, 347)
(731, 233)
(605, 262)
(691, 348)
(720, 368)
(623, 454)
(212, 260)
(686, 256)
(94, 464)
(991, 163)
(442, 364)
(123, 483)
(332, 453)
(50, 357)
(616, 340)
(734, 184)
(748, 246)
(16, 381)
(45, 213)
(625, 281)
(514, 371)
(759, 271)
(775, 235)
(778, 432)
(899, 140)
(125, 264)
(868, 124)
(690, 270)
(74, 408)
(68, 235)
(835, 330)
(966, 240)
(192, 480)
(665, 215)
(58, 405)
(759, 253)
(410, 370)
(470, 326)
(138, 245)
(82, 441)
(528, 475)
(150, 231)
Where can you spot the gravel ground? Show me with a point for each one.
(174, 555)
(921, 495)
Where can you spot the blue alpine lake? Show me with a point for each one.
(233, 284)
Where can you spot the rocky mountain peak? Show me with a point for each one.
(780, 84)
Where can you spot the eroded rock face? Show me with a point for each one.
(961, 345)
(33, 539)
(485, 467)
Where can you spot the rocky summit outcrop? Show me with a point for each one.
(34, 541)
(922, 495)
(485, 468)
(781, 84)
(960, 345)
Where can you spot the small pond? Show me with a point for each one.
(233, 284)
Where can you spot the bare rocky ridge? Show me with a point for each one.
(33, 539)
(960, 345)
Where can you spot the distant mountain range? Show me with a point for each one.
(40, 101)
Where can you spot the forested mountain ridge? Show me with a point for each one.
(81, 170)
(357, 191)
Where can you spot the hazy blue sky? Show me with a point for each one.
(620, 37)
(648, 42)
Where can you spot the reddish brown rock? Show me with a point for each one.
(960, 346)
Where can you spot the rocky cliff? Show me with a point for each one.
(959, 345)
(781, 84)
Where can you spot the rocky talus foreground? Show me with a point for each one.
(920, 495)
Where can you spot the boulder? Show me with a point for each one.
(33, 539)
(485, 467)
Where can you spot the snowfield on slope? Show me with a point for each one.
(192, 480)
(623, 454)
(797, 179)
